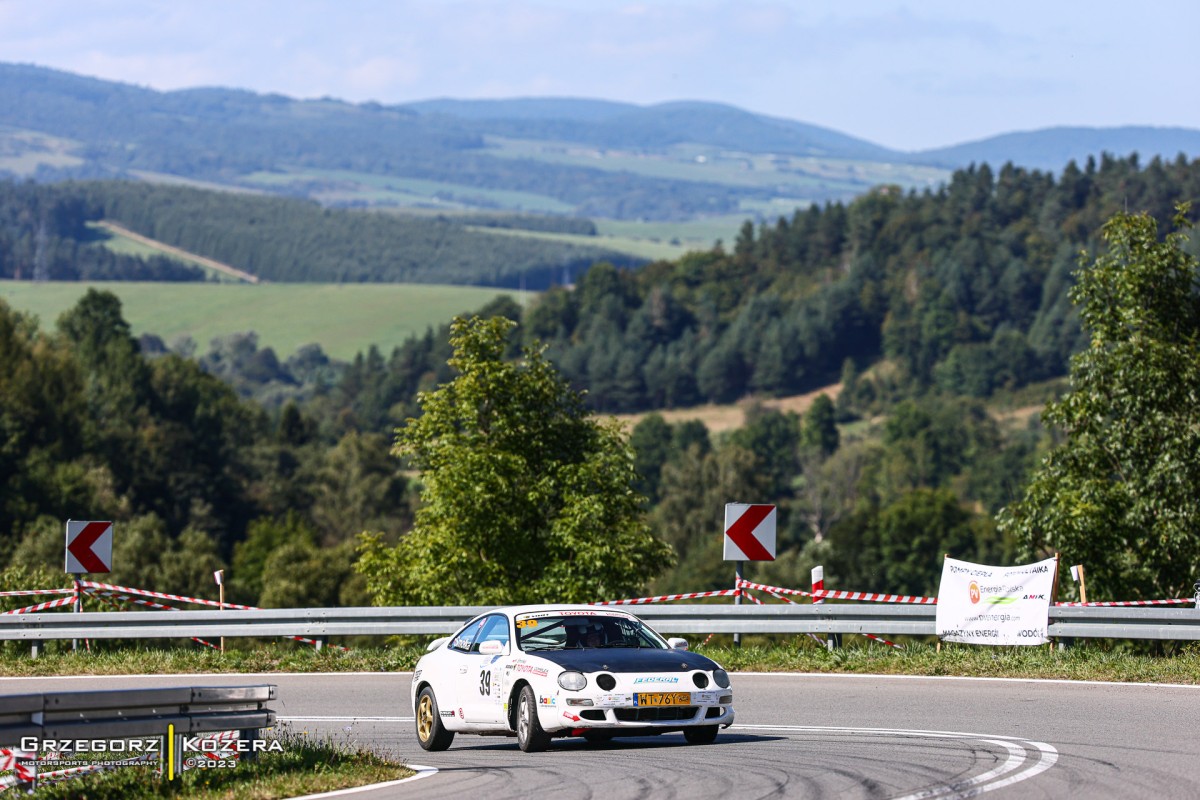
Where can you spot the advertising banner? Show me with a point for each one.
(978, 604)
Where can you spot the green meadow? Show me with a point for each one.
(344, 319)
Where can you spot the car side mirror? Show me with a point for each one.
(436, 643)
(492, 647)
(678, 644)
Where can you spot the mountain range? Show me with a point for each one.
(674, 161)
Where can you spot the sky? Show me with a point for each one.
(907, 75)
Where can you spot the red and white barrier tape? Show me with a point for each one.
(823, 594)
(775, 590)
(884, 641)
(200, 601)
(751, 598)
(62, 601)
(19, 762)
(904, 598)
(1131, 603)
(194, 600)
(110, 597)
(876, 597)
(31, 592)
(663, 598)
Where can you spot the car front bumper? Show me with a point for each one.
(619, 711)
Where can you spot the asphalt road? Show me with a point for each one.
(803, 736)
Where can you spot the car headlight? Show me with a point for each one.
(572, 681)
(721, 678)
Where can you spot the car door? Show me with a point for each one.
(452, 688)
(482, 698)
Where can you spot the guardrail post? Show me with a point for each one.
(833, 641)
(249, 735)
(177, 753)
(35, 649)
(319, 643)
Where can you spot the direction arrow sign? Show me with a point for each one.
(749, 532)
(89, 546)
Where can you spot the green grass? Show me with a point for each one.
(23, 151)
(118, 243)
(306, 765)
(640, 248)
(339, 186)
(344, 319)
(699, 234)
(1088, 660)
(802, 178)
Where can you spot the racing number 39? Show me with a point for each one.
(485, 682)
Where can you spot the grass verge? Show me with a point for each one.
(303, 766)
(1092, 661)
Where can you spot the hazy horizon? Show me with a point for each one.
(904, 76)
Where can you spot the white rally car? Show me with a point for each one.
(567, 670)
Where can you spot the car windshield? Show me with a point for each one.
(558, 630)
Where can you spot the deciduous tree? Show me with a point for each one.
(1121, 492)
(526, 497)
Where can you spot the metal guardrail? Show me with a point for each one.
(129, 713)
(828, 618)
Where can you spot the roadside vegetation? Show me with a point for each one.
(927, 311)
(1084, 660)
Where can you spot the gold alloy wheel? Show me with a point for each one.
(425, 718)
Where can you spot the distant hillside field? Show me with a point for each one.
(343, 319)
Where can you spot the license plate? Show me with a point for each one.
(662, 699)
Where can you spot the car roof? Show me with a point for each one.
(544, 607)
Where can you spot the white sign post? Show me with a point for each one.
(979, 604)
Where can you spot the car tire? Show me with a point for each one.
(431, 733)
(530, 736)
(703, 734)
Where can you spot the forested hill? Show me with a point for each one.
(963, 290)
(668, 162)
(44, 232)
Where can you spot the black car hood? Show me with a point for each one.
(627, 659)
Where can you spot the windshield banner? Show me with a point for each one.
(978, 604)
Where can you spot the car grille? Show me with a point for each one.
(655, 713)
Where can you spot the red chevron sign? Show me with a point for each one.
(89, 546)
(749, 532)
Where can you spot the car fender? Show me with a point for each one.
(542, 677)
